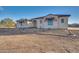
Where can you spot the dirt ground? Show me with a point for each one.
(42, 42)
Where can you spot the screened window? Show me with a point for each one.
(62, 20)
(21, 23)
(40, 21)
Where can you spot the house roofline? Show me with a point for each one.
(60, 15)
(21, 20)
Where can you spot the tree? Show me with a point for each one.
(7, 22)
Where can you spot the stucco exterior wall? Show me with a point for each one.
(38, 23)
(43, 23)
(56, 23)
(24, 25)
(65, 24)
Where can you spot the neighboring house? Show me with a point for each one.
(50, 21)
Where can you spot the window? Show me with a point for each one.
(62, 20)
(50, 21)
(40, 21)
(21, 23)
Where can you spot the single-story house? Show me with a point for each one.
(52, 21)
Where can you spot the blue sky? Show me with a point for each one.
(17, 12)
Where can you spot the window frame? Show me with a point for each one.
(50, 21)
(62, 20)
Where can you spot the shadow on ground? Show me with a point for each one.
(21, 31)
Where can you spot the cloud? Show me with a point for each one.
(1, 8)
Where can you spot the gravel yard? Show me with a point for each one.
(38, 42)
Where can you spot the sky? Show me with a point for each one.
(17, 12)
